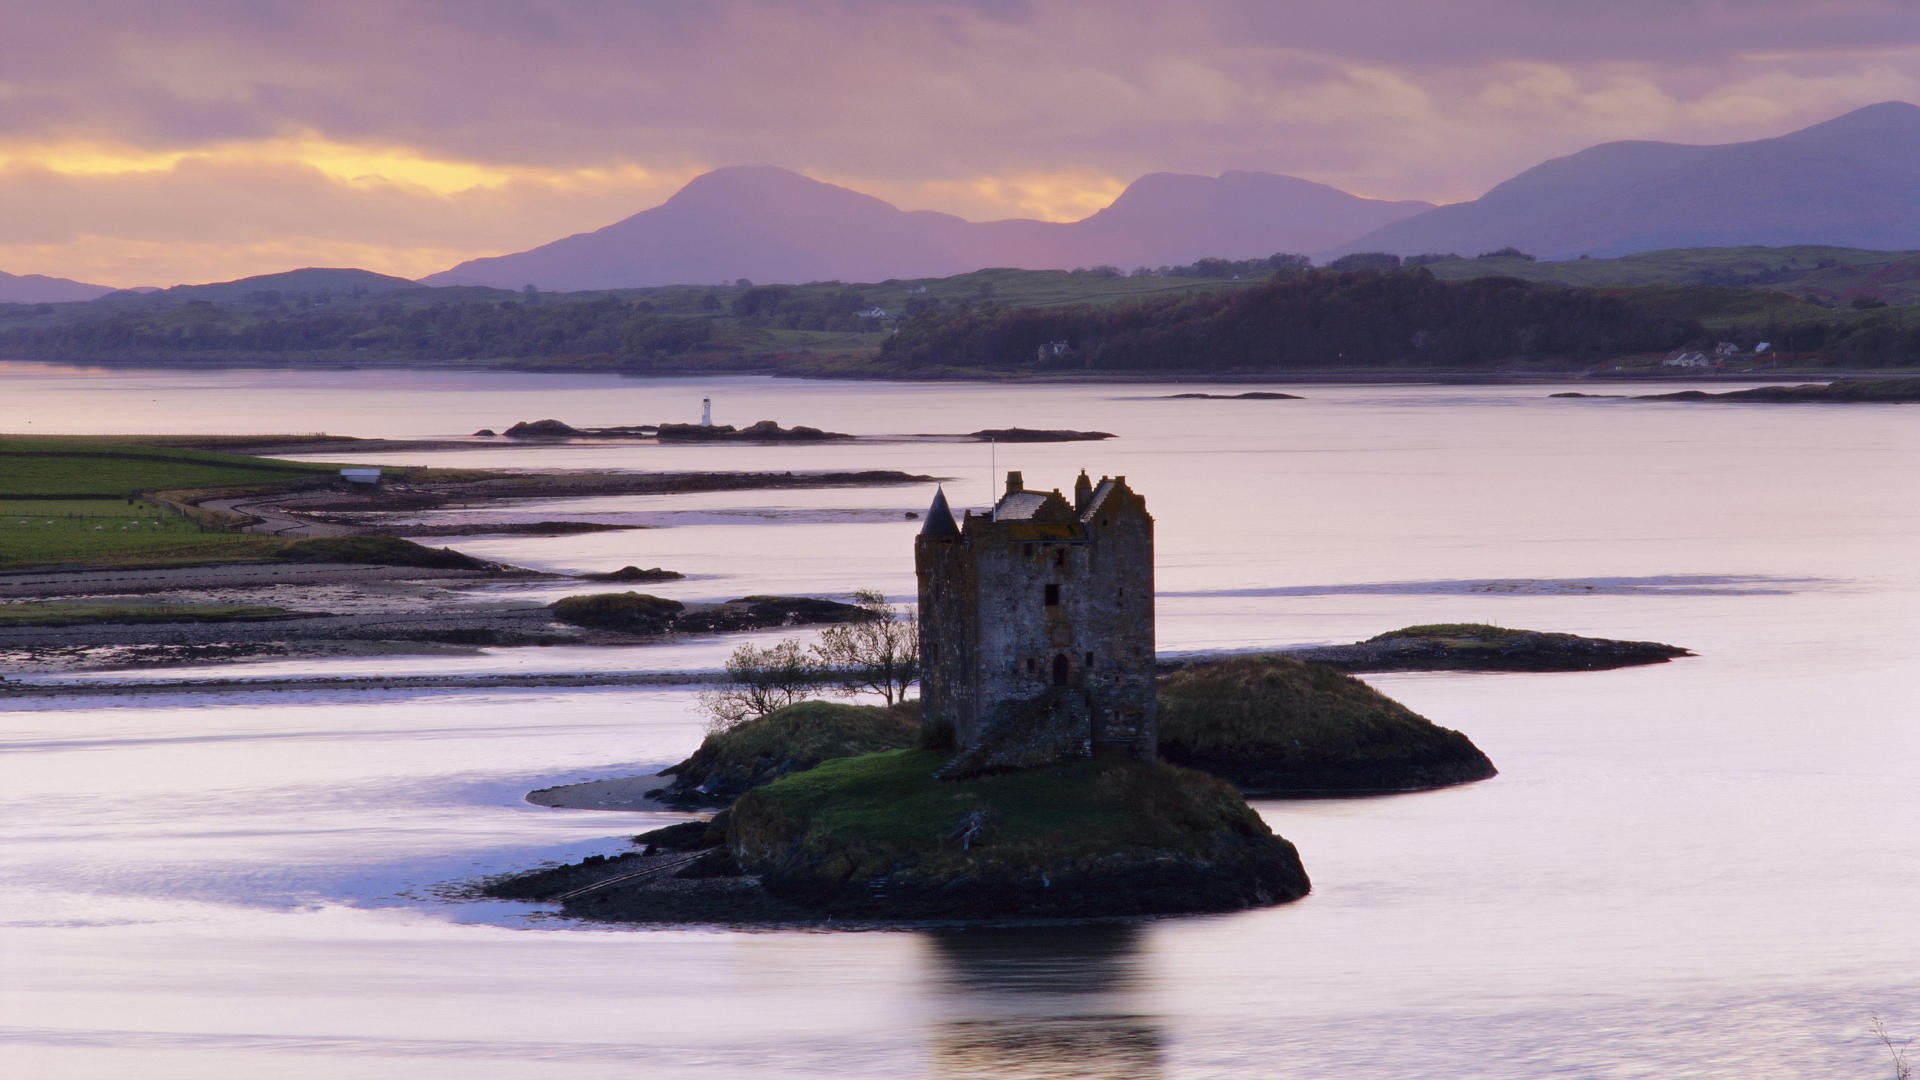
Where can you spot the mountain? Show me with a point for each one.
(1853, 181)
(40, 289)
(771, 225)
(312, 281)
(308, 283)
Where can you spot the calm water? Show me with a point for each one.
(1706, 868)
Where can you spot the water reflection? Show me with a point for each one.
(1052, 1002)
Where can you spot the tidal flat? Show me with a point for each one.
(1695, 867)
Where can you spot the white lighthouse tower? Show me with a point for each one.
(706, 412)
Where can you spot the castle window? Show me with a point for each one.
(1059, 556)
(1026, 550)
(1060, 669)
(1053, 596)
(1033, 666)
(1089, 661)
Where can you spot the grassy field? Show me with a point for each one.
(1827, 273)
(65, 468)
(72, 501)
(114, 532)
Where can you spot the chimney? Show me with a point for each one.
(1082, 492)
(1015, 484)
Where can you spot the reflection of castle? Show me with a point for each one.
(1036, 626)
(1052, 1002)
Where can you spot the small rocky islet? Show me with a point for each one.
(808, 796)
(1841, 391)
(835, 811)
(1047, 775)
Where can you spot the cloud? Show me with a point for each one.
(409, 128)
(221, 216)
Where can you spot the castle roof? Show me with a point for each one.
(1020, 506)
(1099, 497)
(940, 524)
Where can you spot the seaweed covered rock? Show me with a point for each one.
(542, 429)
(1479, 647)
(1277, 726)
(789, 740)
(759, 431)
(643, 613)
(760, 612)
(880, 837)
(378, 551)
(635, 574)
(1036, 435)
(629, 612)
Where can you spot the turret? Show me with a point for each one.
(940, 524)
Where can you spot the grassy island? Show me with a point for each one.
(729, 763)
(877, 837)
(1277, 726)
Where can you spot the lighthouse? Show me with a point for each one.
(706, 412)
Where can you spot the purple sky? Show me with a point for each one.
(146, 143)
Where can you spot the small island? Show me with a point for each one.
(1840, 391)
(1047, 771)
(1479, 647)
(1250, 395)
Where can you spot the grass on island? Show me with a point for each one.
(865, 814)
(1457, 635)
(1276, 725)
(1272, 705)
(58, 613)
(785, 741)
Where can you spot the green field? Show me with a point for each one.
(65, 468)
(1824, 273)
(71, 501)
(114, 532)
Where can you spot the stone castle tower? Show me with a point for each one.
(1036, 627)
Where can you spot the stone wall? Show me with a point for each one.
(1041, 598)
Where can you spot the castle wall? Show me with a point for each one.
(1050, 605)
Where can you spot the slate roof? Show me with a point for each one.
(940, 524)
(1019, 506)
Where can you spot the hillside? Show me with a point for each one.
(40, 289)
(1853, 181)
(1819, 306)
(328, 318)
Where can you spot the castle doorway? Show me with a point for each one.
(1060, 669)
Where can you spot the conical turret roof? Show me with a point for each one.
(940, 524)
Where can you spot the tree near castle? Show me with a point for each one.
(879, 653)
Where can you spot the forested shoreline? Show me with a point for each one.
(1263, 317)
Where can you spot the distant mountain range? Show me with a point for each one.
(40, 289)
(772, 225)
(1853, 181)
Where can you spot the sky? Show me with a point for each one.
(147, 143)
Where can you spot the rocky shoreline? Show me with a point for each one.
(1145, 839)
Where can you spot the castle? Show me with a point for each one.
(1036, 627)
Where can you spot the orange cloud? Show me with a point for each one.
(1067, 196)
